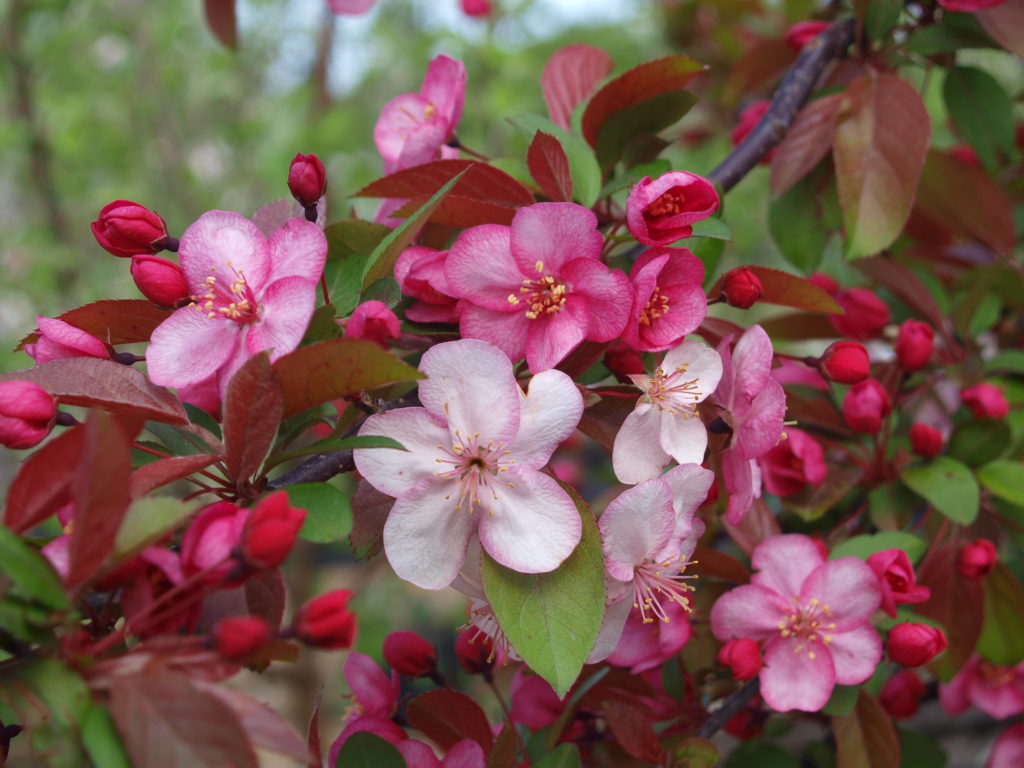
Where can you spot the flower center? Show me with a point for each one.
(809, 624)
(675, 392)
(544, 295)
(228, 298)
(654, 582)
(995, 674)
(475, 468)
(898, 583)
(482, 618)
(669, 204)
(657, 306)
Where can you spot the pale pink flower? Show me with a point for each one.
(812, 616)
(996, 690)
(249, 295)
(59, 340)
(420, 274)
(665, 423)
(668, 300)
(413, 126)
(471, 464)
(538, 288)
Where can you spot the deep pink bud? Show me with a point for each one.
(914, 345)
(741, 288)
(969, 5)
(623, 362)
(965, 154)
(270, 531)
(211, 539)
(901, 694)
(160, 280)
(326, 621)
(866, 314)
(27, 413)
(801, 33)
(845, 362)
(373, 321)
(126, 229)
(977, 558)
(476, 7)
(238, 636)
(59, 341)
(750, 117)
(307, 180)
(827, 283)
(410, 654)
(743, 656)
(475, 652)
(662, 211)
(896, 579)
(986, 401)
(926, 440)
(865, 405)
(912, 644)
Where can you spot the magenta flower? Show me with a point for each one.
(668, 301)
(471, 464)
(420, 273)
(812, 616)
(413, 126)
(665, 424)
(350, 7)
(662, 211)
(797, 461)
(1008, 751)
(996, 690)
(59, 341)
(248, 295)
(538, 288)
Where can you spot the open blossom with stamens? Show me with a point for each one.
(479, 614)
(665, 423)
(538, 288)
(812, 617)
(248, 295)
(471, 464)
(668, 301)
(996, 690)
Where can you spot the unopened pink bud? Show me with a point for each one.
(986, 401)
(914, 345)
(239, 636)
(901, 694)
(27, 413)
(126, 229)
(866, 314)
(270, 531)
(307, 179)
(827, 283)
(741, 288)
(476, 7)
(865, 406)
(410, 654)
(912, 644)
(846, 362)
(926, 440)
(743, 656)
(801, 33)
(160, 280)
(976, 559)
(59, 340)
(372, 320)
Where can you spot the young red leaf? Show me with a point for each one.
(370, 510)
(220, 17)
(639, 84)
(714, 329)
(632, 729)
(760, 65)
(316, 759)
(758, 524)
(459, 211)
(569, 78)
(94, 383)
(265, 727)
(157, 473)
(480, 182)
(1005, 23)
(265, 596)
(866, 737)
(327, 370)
(253, 410)
(799, 325)
(788, 290)
(448, 717)
(602, 420)
(719, 565)
(43, 482)
(905, 284)
(879, 149)
(115, 321)
(809, 139)
(549, 167)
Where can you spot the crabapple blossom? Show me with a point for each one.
(27, 413)
(668, 301)
(976, 559)
(1008, 750)
(661, 211)
(812, 616)
(796, 462)
(159, 280)
(420, 273)
(986, 401)
(59, 340)
(865, 405)
(471, 464)
(846, 362)
(373, 320)
(538, 288)
(645, 645)
(896, 579)
(996, 690)
(665, 424)
(124, 228)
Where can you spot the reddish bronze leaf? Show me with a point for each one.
(799, 325)
(220, 17)
(370, 510)
(549, 167)
(115, 321)
(718, 565)
(569, 78)
(253, 409)
(503, 754)
(866, 737)
(42, 485)
(480, 182)
(459, 211)
(631, 727)
(714, 329)
(807, 142)
(162, 471)
(905, 284)
(757, 525)
(265, 596)
(448, 717)
(1005, 23)
(267, 729)
(602, 420)
(757, 67)
(788, 291)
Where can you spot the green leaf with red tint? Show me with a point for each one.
(866, 738)
(789, 291)
(879, 149)
(267, 729)
(1002, 633)
(253, 409)
(147, 521)
(1005, 23)
(982, 112)
(460, 211)
(24, 567)
(672, 73)
(448, 717)
(316, 759)
(42, 485)
(809, 139)
(330, 369)
(151, 476)
(477, 181)
(265, 596)
(799, 220)
(602, 420)
(760, 65)
(503, 753)
(367, 750)
(623, 129)
(100, 494)
(695, 752)
(569, 77)
(632, 729)
(220, 18)
(115, 321)
(947, 484)
(549, 167)
(94, 383)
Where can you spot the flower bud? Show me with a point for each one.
(270, 531)
(476, 7)
(896, 579)
(845, 362)
(307, 180)
(662, 211)
(912, 644)
(926, 440)
(901, 694)
(160, 280)
(965, 154)
(866, 314)
(827, 283)
(373, 321)
(914, 345)
(27, 413)
(986, 401)
(410, 654)
(741, 288)
(623, 362)
(211, 539)
(239, 636)
(743, 656)
(124, 228)
(59, 341)
(801, 33)
(865, 405)
(326, 621)
(976, 559)
(475, 652)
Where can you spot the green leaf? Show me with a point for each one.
(381, 262)
(646, 117)
(552, 619)
(957, 31)
(1011, 360)
(334, 444)
(583, 167)
(760, 753)
(981, 110)
(351, 237)
(563, 756)
(345, 280)
(322, 324)
(948, 485)
(385, 290)
(867, 545)
(633, 174)
(712, 227)
(695, 752)
(328, 511)
(1005, 479)
(709, 250)
(797, 226)
(881, 17)
(917, 750)
(842, 701)
(30, 571)
(979, 441)
(101, 740)
(1002, 633)
(367, 750)
(147, 520)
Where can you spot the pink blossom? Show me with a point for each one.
(796, 462)
(413, 126)
(538, 288)
(812, 616)
(212, 538)
(896, 579)
(463, 754)
(668, 301)
(420, 273)
(662, 211)
(665, 423)
(1008, 751)
(248, 295)
(372, 320)
(471, 464)
(350, 7)
(59, 340)
(482, 625)
(647, 645)
(996, 690)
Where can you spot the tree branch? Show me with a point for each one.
(729, 709)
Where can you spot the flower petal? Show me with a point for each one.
(548, 414)
(700, 362)
(189, 347)
(608, 295)
(553, 234)
(795, 677)
(761, 426)
(848, 587)
(614, 621)
(552, 337)
(297, 249)
(288, 305)
(400, 116)
(637, 523)
(687, 307)
(689, 484)
(397, 472)
(752, 362)
(855, 654)
(785, 562)
(637, 454)
(749, 611)
(738, 474)
(223, 243)
(480, 267)
(683, 437)
(444, 86)
(505, 330)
